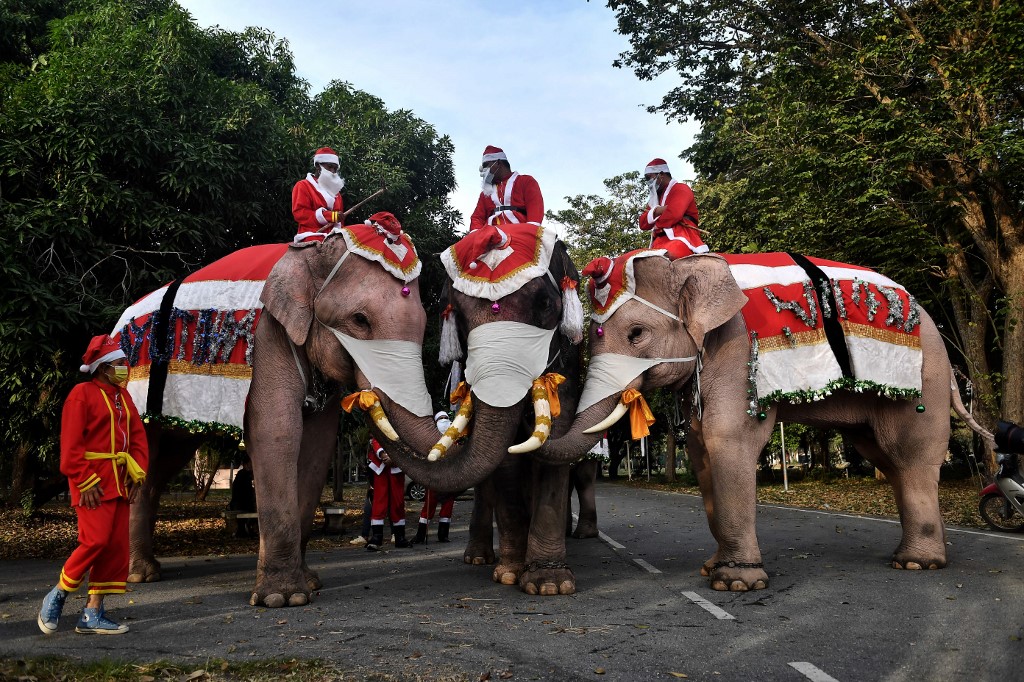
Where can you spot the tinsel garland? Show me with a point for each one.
(810, 319)
(850, 384)
(194, 426)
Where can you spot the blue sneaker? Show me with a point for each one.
(95, 622)
(49, 614)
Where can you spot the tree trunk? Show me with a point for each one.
(670, 454)
(20, 479)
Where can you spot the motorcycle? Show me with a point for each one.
(1002, 502)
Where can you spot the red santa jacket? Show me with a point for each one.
(678, 222)
(376, 462)
(100, 420)
(311, 207)
(520, 192)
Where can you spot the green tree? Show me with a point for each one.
(885, 132)
(605, 225)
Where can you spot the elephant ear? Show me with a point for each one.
(708, 293)
(288, 293)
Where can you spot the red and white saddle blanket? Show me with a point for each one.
(491, 262)
(207, 337)
(850, 327)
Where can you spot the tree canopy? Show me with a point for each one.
(135, 147)
(882, 132)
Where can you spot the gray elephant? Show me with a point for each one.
(341, 311)
(511, 304)
(753, 340)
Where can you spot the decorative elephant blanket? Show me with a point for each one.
(189, 344)
(817, 325)
(492, 262)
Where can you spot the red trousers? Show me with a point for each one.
(430, 506)
(388, 498)
(102, 550)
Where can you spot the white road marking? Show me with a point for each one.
(708, 606)
(812, 673)
(612, 543)
(646, 566)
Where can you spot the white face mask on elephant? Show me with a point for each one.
(395, 367)
(503, 360)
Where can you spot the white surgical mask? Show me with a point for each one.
(331, 182)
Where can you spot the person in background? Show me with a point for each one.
(388, 498)
(243, 498)
(432, 499)
(104, 454)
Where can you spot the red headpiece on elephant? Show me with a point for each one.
(386, 224)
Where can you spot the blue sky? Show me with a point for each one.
(532, 77)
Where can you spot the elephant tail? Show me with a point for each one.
(961, 411)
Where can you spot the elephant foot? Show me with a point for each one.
(912, 561)
(708, 567)
(313, 581)
(736, 576)
(585, 530)
(144, 571)
(507, 572)
(275, 594)
(548, 579)
(479, 554)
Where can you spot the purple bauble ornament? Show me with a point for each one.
(405, 291)
(600, 331)
(495, 307)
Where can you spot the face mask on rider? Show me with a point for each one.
(487, 174)
(118, 375)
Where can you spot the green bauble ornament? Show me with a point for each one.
(762, 416)
(920, 409)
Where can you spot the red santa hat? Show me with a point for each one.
(599, 269)
(493, 154)
(325, 155)
(656, 166)
(101, 349)
(387, 224)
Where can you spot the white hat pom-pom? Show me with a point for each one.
(84, 369)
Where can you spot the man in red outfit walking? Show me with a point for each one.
(506, 197)
(104, 454)
(672, 213)
(316, 199)
(388, 498)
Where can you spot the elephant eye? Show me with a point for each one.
(362, 320)
(635, 334)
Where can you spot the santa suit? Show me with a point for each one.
(311, 206)
(676, 228)
(430, 506)
(388, 489)
(520, 193)
(102, 444)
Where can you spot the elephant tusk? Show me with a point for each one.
(542, 424)
(381, 420)
(617, 414)
(455, 431)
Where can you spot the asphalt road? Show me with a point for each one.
(834, 609)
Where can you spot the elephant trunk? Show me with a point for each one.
(576, 442)
(467, 462)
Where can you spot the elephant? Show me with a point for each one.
(510, 304)
(583, 479)
(317, 320)
(689, 325)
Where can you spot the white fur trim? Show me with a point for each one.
(320, 216)
(572, 316)
(500, 156)
(451, 349)
(492, 291)
(326, 158)
(660, 168)
(112, 355)
(602, 292)
(405, 277)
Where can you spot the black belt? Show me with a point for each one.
(499, 209)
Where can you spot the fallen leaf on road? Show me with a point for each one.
(683, 675)
(599, 671)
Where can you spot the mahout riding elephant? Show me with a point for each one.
(511, 304)
(747, 341)
(341, 311)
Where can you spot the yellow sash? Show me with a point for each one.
(119, 458)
